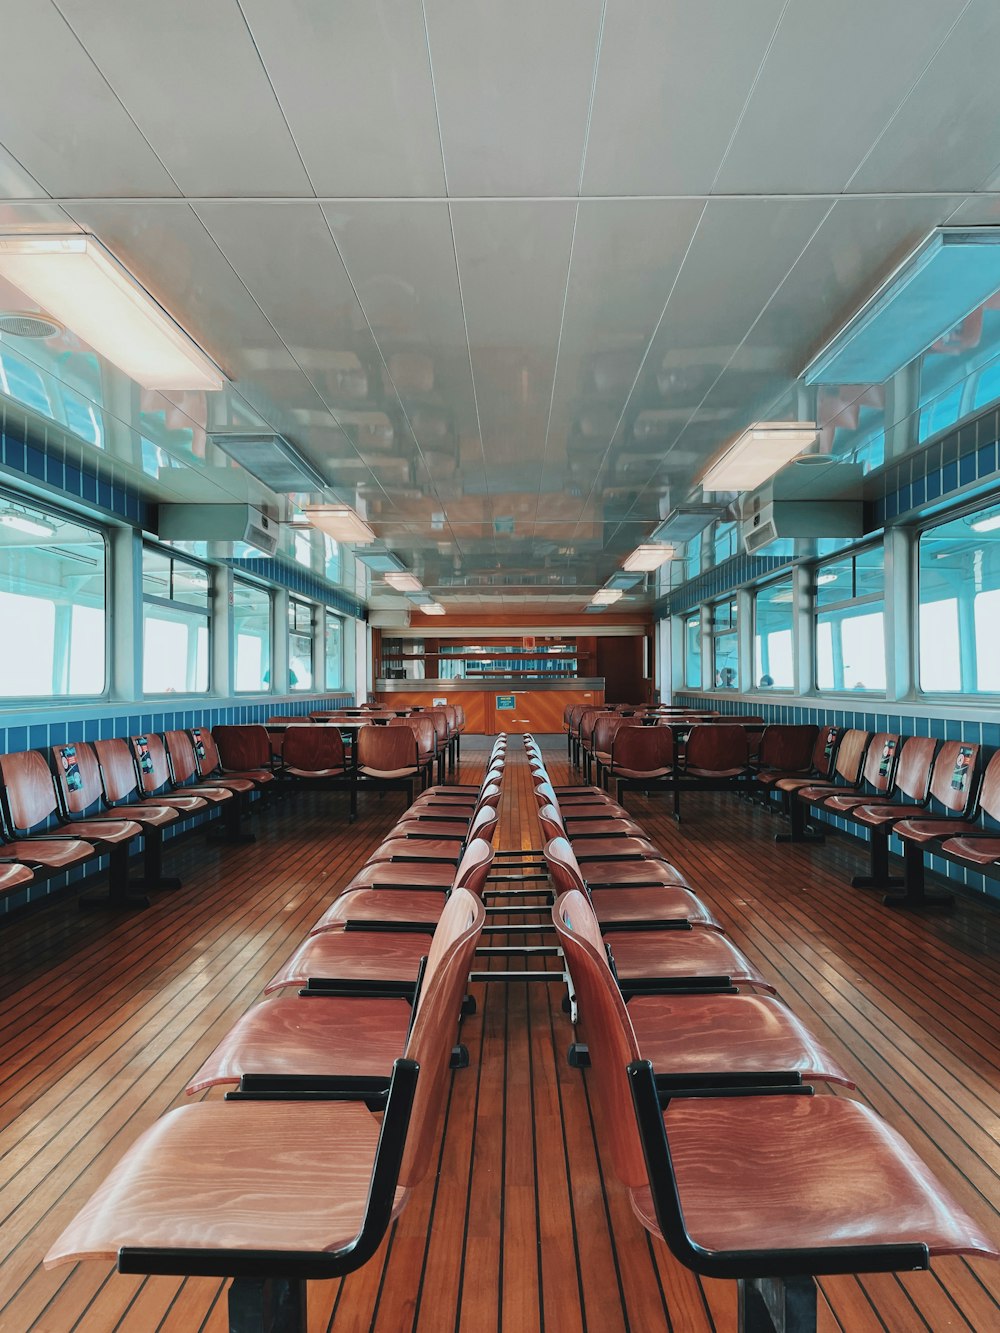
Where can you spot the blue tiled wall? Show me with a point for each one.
(40, 735)
(986, 734)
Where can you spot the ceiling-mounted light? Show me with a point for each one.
(989, 523)
(605, 596)
(946, 278)
(32, 525)
(433, 609)
(648, 557)
(761, 451)
(83, 286)
(271, 459)
(404, 582)
(340, 522)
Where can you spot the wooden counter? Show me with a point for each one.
(538, 704)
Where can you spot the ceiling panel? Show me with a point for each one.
(821, 57)
(205, 106)
(947, 133)
(15, 182)
(659, 125)
(69, 132)
(513, 86)
(354, 81)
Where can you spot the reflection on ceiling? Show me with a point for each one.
(507, 278)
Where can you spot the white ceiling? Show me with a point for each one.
(454, 250)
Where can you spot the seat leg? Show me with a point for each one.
(777, 1305)
(915, 895)
(800, 831)
(267, 1305)
(878, 876)
(118, 896)
(152, 860)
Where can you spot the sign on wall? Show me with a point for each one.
(505, 703)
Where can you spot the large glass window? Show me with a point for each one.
(725, 646)
(850, 622)
(52, 590)
(251, 636)
(772, 643)
(334, 651)
(300, 644)
(176, 613)
(692, 651)
(958, 581)
(724, 545)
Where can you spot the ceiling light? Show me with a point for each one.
(404, 582)
(340, 522)
(947, 277)
(761, 451)
(433, 609)
(684, 523)
(648, 557)
(271, 459)
(605, 596)
(80, 283)
(988, 524)
(30, 524)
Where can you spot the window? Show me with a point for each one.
(772, 642)
(19, 379)
(176, 613)
(300, 644)
(52, 589)
(331, 558)
(958, 588)
(692, 557)
(725, 646)
(724, 545)
(850, 634)
(251, 636)
(692, 651)
(334, 654)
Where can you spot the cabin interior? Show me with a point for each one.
(514, 358)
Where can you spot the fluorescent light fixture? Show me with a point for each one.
(623, 580)
(83, 286)
(684, 523)
(761, 451)
(605, 596)
(404, 582)
(988, 524)
(382, 562)
(433, 609)
(947, 277)
(18, 521)
(340, 522)
(647, 557)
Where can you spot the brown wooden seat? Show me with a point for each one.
(648, 901)
(433, 818)
(149, 759)
(211, 766)
(35, 825)
(706, 1039)
(922, 834)
(425, 842)
(283, 1191)
(953, 782)
(396, 900)
(426, 736)
(641, 757)
(82, 796)
(752, 1187)
(230, 796)
(388, 758)
(244, 748)
(601, 837)
(786, 750)
(329, 960)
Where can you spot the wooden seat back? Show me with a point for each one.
(642, 750)
(563, 867)
(825, 750)
(851, 755)
(716, 750)
(787, 748)
(77, 776)
(182, 758)
(474, 866)
(550, 822)
(880, 761)
(449, 961)
(119, 775)
(424, 732)
(29, 794)
(606, 728)
(955, 777)
(313, 749)
(151, 762)
(484, 822)
(387, 750)
(610, 1037)
(914, 767)
(989, 792)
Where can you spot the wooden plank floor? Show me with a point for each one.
(522, 1228)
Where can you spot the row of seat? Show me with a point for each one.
(298, 1172)
(700, 1082)
(81, 801)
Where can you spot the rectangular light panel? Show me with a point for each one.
(760, 452)
(82, 285)
(404, 582)
(271, 459)
(605, 596)
(952, 273)
(648, 557)
(340, 522)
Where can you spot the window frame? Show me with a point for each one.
(267, 589)
(866, 599)
(292, 630)
(190, 611)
